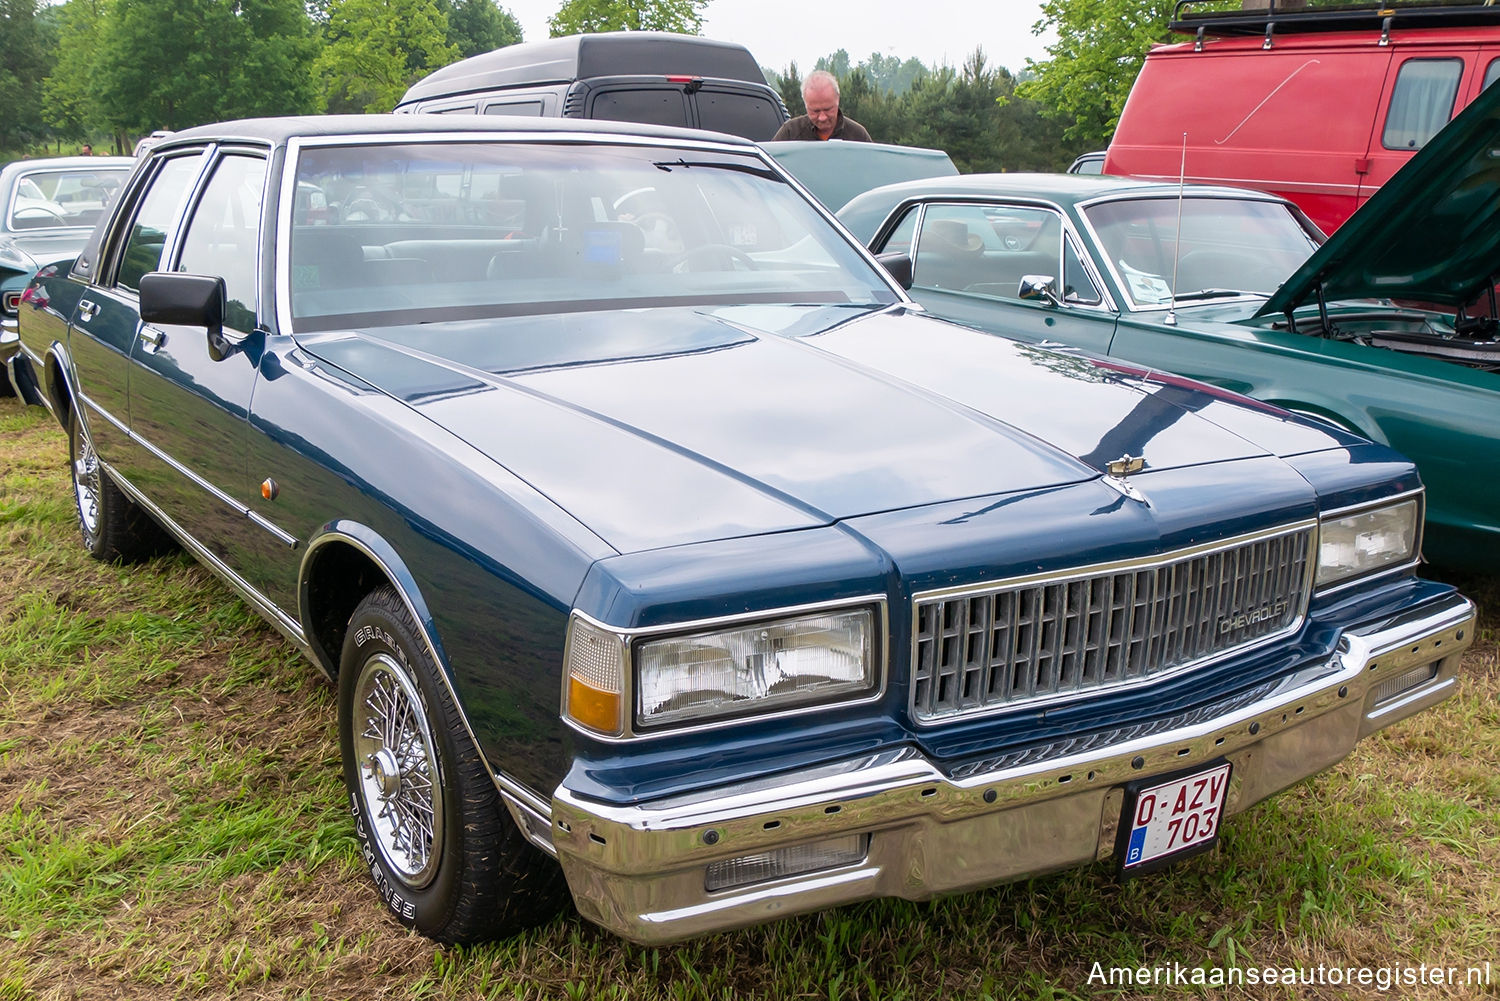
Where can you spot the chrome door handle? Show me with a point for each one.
(152, 339)
(87, 310)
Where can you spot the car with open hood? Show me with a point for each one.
(48, 208)
(666, 556)
(1387, 329)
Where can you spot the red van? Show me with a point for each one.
(1319, 104)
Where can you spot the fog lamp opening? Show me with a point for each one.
(780, 863)
(1403, 683)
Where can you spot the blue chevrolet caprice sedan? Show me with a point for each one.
(665, 555)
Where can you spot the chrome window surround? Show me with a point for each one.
(1420, 494)
(1009, 703)
(919, 205)
(880, 642)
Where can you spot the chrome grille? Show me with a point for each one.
(1099, 628)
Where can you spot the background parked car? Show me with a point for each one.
(48, 207)
(1320, 105)
(1259, 307)
(651, 77)
(834, 177)
(656, 542)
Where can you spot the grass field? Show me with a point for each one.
(174, 826)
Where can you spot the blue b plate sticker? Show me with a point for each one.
(1172, 819)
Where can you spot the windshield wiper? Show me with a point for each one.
(1215, 293)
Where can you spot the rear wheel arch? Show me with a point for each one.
(56, 387)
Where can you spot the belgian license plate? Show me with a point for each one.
(1172, 819)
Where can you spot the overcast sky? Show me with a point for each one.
(778, 32)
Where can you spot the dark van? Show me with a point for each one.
(1316, 103)
(651, 77)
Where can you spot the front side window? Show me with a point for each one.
(1422, 101)
(223, 235)
(154, 218)
(987, 249)
(1229, 246)
(419, 231)
(1491, 73)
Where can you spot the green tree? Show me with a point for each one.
(788, 84)
(1099, 50)
(26, 48)
(173, 64)
(68, 102)
(375, 49)
(476, 26)
(581, 16)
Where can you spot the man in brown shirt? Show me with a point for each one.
(824, 120)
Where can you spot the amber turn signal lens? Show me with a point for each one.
(594, 709)
(269, 489)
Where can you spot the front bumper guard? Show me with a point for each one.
(640, 870)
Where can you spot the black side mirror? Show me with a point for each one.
(898, 266)
(1039, 288)
(189, 301)
(184, 300)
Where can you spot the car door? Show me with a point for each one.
(103, 327)
(189, 392)
(970, 258)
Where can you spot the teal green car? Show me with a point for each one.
(1388, 328)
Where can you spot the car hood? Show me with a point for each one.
(664, 426)
(837, 171)
(1431, 233)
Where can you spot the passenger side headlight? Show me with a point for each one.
(1365, 541)
(754, 668)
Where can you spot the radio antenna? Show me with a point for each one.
(1171, 318)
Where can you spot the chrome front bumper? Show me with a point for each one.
(640, 871)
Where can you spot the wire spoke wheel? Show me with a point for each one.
(87, 486)
(401, 789)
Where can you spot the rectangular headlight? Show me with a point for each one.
(1361, 543)
(757, 667)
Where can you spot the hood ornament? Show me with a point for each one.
(1121, 468)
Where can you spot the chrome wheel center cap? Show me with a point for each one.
(385, 771)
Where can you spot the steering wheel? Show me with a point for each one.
(22, 213)
(705, 256)
(366, 204)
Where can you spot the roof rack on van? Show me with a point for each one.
(1296, 16)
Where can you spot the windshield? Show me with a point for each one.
(48, 199)
(1229, 246)
(429, 230)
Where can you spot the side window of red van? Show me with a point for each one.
(1422, 101)
(1491, 74)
